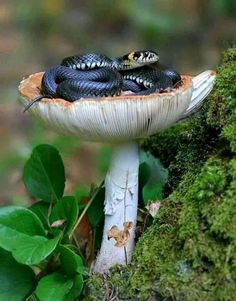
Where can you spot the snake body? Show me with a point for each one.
(96, 75)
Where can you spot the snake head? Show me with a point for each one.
(139, 58)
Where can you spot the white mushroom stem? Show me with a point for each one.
(121, 202)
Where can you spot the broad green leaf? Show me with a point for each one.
(152, 192)
(22, 220)
(95, 211)
(41, 210)
(65, 209)
(35, 249)
(76, 288)
(71, 262)
(9, 238)
(16, 280)
(44, 174)
(153, 188)
(53, 287)
(26, 249)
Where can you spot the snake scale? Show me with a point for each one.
(96, 75)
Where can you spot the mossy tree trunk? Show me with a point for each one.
(189, 253)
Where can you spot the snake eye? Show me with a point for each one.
(138, 56)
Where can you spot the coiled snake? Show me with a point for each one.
(96, 75)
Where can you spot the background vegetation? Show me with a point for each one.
(189, 35)
(193, 254)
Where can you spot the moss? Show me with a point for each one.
(189, 252)
(178, 147)
(95, 289)
(193, 253)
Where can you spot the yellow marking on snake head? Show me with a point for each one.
(131, 56)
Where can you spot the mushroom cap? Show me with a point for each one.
(110, 119)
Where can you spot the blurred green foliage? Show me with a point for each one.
(189, 35)
(37, 34)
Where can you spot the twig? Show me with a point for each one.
(78, 247)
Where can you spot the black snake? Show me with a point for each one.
(96, 75)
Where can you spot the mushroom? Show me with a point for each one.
(120, 121)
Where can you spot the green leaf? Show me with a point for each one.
(76, 288)
(65, 209)
(154, 184)
(16, 280)
(53, 287)
(71, 262)
(22, 220)
(95, 211)
(35, 249)
(26, 249)
(44, 174)
(41, 210)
